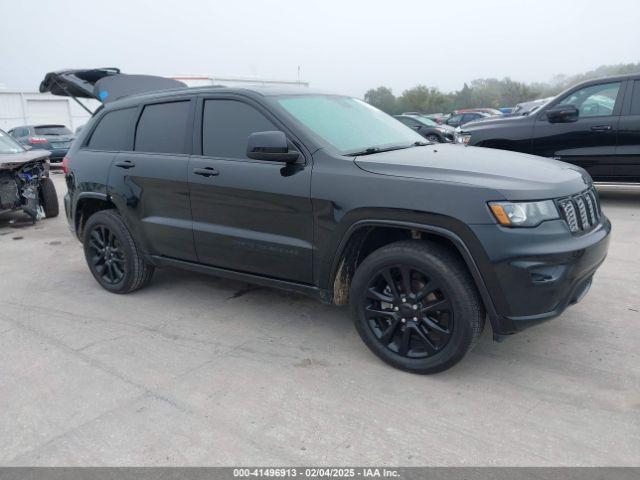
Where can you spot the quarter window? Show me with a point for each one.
(114, 132)
(226, 126)
(594, 101)
(162, 128)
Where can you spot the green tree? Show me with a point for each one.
(484, 92)
(382, 98)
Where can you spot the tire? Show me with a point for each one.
(433, 138)
(443, 306)
(112, 255)
(49, 198)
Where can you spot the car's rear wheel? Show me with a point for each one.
(434, 138)
(112, 255)
(416, 306)
(49, 198)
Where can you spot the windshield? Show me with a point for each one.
(52, 130)
(348, 124)
(8, 144)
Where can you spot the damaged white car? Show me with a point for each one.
(24, 180)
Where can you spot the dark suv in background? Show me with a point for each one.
(595, 125)
(55, 138)
(326, 195)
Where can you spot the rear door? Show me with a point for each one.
(248, 215)
(150, 185)
(627, 166)
(589, 142)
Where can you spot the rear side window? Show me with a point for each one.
(226, 126)
(635, 98)
(162, 128)
(114, 131)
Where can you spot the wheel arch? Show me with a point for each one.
(349, 253)
(86, 205)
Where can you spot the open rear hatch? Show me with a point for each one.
(103, 84)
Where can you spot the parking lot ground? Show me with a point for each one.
(195, 370)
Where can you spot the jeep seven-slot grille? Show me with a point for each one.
(582, 211)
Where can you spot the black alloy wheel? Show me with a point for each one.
(416, 306)
(408, 311)
(112, 255)
(107, 256)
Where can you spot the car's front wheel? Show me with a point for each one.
(112, 255)
(49, 198)
(416, 306)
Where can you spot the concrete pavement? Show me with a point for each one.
(195, 370)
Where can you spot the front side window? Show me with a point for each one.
(348, 124)
(162, 128)
(114, 132)
(594, 101)
(226, 126)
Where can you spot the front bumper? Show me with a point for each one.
(539, 272)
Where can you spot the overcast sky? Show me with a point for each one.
(345, 46)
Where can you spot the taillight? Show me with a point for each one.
(65, 164)
(33, 140)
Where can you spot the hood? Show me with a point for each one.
(10, 161)
(516, 176)
(498, 120)
(103, 84)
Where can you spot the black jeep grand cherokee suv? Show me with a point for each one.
(326, 195)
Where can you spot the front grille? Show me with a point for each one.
(581, 211)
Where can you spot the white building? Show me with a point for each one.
(33, 108)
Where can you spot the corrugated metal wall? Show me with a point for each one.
(29, 108)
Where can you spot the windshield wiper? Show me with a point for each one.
(372, 150)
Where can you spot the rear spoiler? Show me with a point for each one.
(103, 84)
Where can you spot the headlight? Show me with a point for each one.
(523, 214)
(462, 138)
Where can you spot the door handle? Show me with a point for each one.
(206, 172)
(601, 128)
(125, 164)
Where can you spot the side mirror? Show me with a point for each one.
(272, 146)
(563, 114)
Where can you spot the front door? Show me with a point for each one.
(590, 141)
(248, 215)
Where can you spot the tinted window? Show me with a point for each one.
(52, 130)
(114, 132)
(635, 98)
(595, 100)
(226, 126)
(162, 128)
